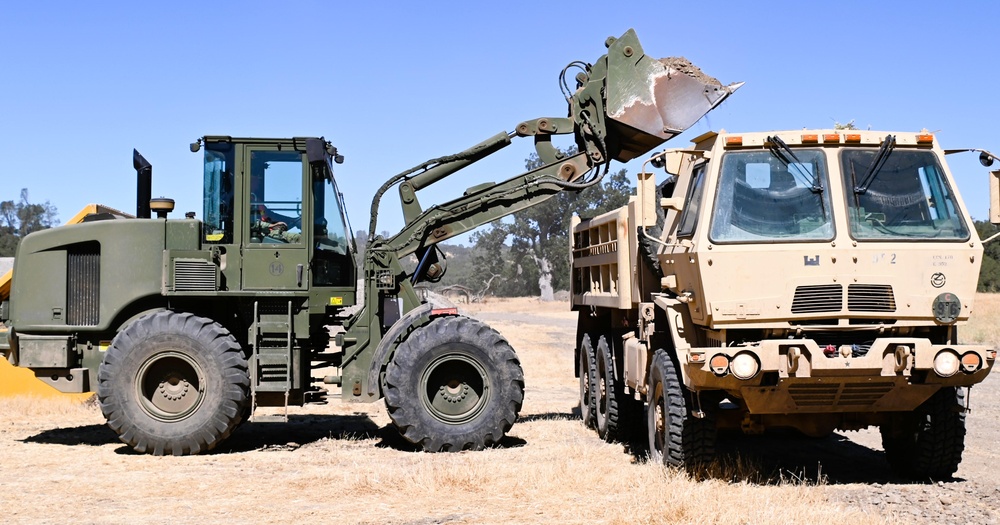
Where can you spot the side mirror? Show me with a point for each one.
(986, 159)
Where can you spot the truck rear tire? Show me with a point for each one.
(614, 407)
(173, 383)
(676, 437)
(454, 384)
(588, 374)
(928, 443)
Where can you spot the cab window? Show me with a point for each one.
(762, 197)
(276, 197)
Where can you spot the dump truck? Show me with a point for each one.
(185, 327)
(811, 279)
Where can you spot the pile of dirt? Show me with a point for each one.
(683, 65)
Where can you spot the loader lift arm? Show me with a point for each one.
(624, 105)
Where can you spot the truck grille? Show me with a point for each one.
(838, 395)
(818, 298)
(870, 298)
(83, 284)
(194, 275)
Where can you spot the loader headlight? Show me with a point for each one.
(946, 363)
(744, 366)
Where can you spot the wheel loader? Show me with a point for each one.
(185, 327)
(811, 279)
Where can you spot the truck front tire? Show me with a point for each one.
(928, 442)
(173, 383)
(454, 384)
(676, 437)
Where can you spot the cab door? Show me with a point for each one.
(276, 226)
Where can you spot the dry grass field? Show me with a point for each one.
(344, 463)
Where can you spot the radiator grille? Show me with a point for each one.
(194, 275)
(870, 298)
(818, 298)
(838, 395)
(83, 284)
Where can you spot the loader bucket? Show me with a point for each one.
(650, 101)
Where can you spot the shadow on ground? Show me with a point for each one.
(297, 432)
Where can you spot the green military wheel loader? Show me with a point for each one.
(184, 327)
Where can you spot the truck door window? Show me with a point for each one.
(276, 197)
(764, 197)
(908, 199)
(692, 204)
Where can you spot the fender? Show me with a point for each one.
(388, 343)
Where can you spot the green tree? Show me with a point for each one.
(537, 256)
(989, 273)
(18, 219)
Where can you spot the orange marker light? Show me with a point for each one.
(852, 137)
(925, 138)
(810, 139)
(734, 141)
(831, 137)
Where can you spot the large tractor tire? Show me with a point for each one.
(173, 383)
(928, 443)
(454, 384)
(588, 381)
(676, 437)
(616, 410)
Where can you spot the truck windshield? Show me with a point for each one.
(764, 197)
(910, 198)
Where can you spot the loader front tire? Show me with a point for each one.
(173, 383)
(454, 384)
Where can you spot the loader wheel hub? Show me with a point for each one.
(456, 388)
(169, 386)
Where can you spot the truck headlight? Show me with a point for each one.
(946, 363)
(744, 366)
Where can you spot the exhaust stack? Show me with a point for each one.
(144, 184)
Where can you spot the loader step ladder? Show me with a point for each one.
(271, 362)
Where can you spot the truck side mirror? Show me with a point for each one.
(986, 159)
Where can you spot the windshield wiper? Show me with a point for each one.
(782, 152)
(883, 153)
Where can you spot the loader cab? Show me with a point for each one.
(276, 202)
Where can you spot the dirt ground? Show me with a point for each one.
(345, 463)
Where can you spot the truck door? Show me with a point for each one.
(276, 231)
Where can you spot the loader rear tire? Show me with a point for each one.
(173, 383)
(454, 384)
(676, 437)
(928, 442)
(588, 375)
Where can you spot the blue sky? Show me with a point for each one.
(394, 84)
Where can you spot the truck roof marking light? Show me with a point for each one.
(810, 139)
(734, 141)
(925, 138)
(832, 138)
(852, 138)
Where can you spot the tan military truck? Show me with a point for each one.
(812, 280)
